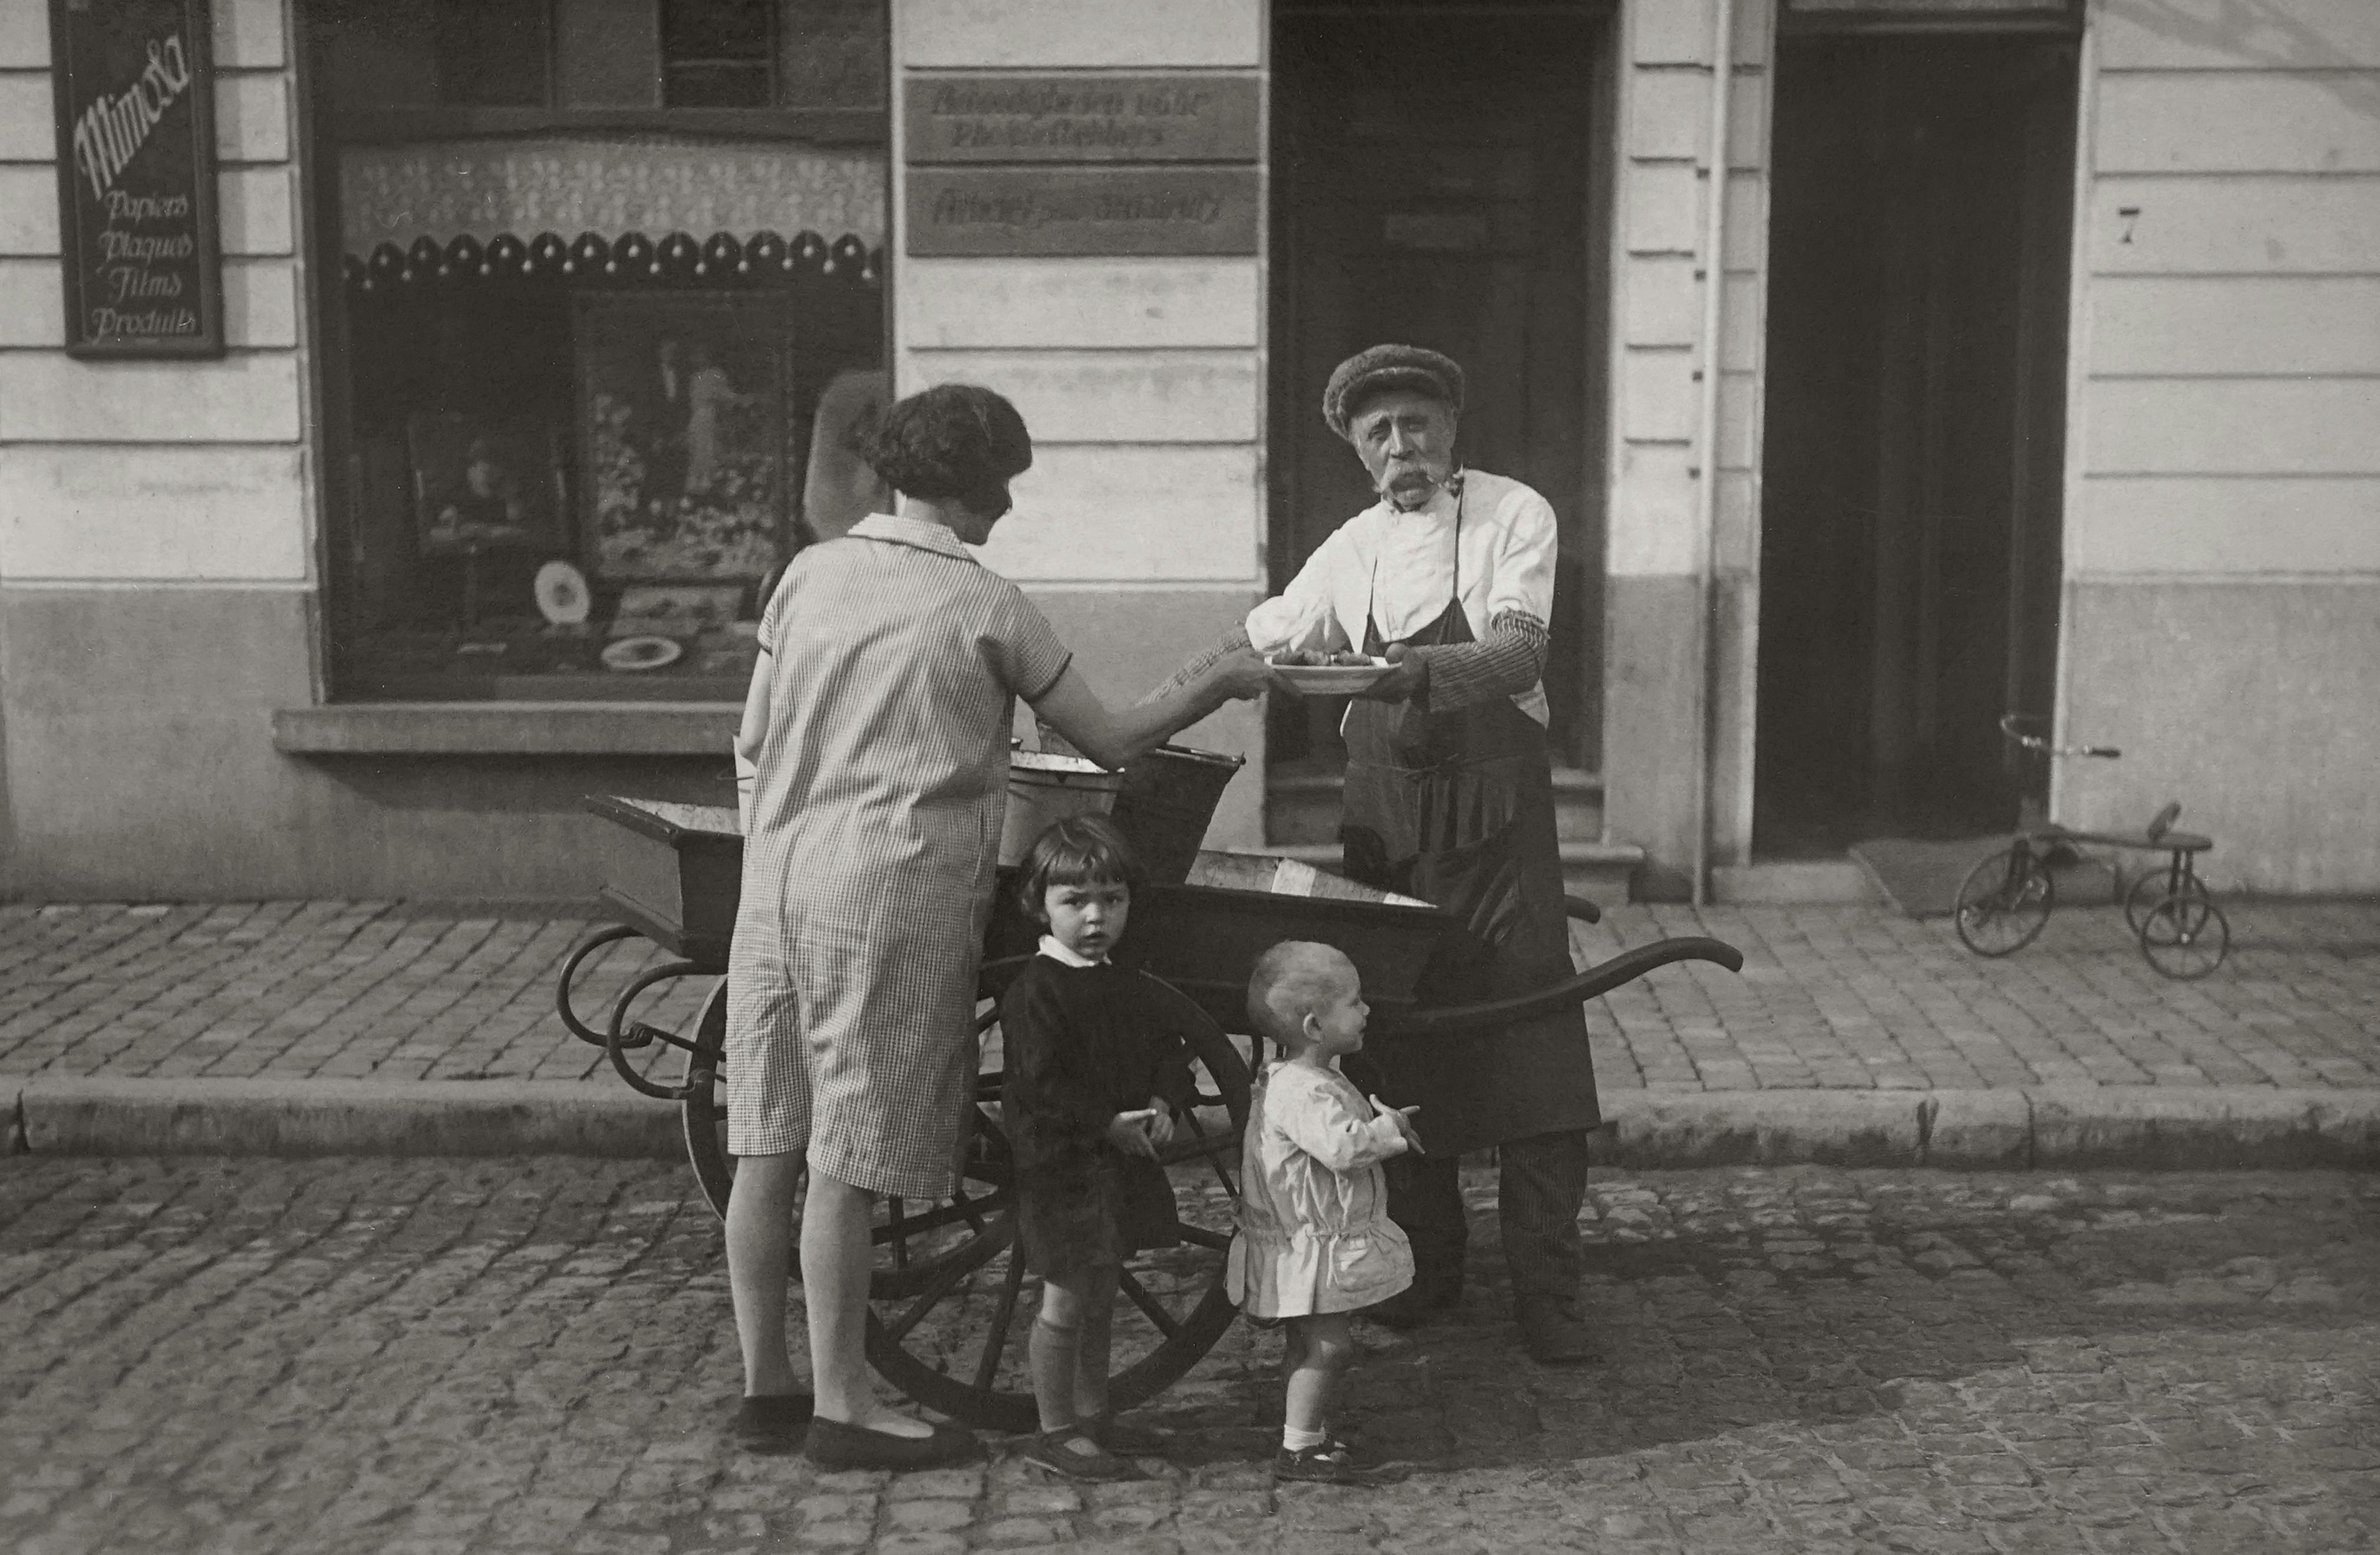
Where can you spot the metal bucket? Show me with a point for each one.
(1167, 802)
(1044, 789)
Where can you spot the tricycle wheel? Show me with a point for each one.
(955, 1342)
(2144, 894)
(2185, 936)
(2004, 901)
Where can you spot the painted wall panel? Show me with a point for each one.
(2234, 426)
(2239, 122)
(1670, 31)
(983, 34)
(1087, 396)
(1663, 208)
(254, 208)
(249, 35)
(2252, 726)
(27, 130)
(46, 398)
(1134, 514)
(29, 208)
(1079, 302)
(32, 306)
(2212, 223)
(24, 36)
(260, 302)
(2224, 34)
(172, 514)
(2204, 326)
(1669, 112)
(2184, 524)
(1663, 301)
(1663, 402)
(1652, 521)
(253, 117)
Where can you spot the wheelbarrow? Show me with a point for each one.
(948, 1290)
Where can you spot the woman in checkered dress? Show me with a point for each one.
(877, 738)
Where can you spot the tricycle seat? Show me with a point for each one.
(2153, 841)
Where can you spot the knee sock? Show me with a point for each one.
(1051, 1350)
(1294, 1441)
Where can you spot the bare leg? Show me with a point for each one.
(1323, 1346)
(1091, 1353)
(835, 1258)
(760, 1258)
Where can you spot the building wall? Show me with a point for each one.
(1140, 529)
(2222, 609)
(1668, 637)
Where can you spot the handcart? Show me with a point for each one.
(2005, 899)
(947, 1296)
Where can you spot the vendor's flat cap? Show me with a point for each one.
(1389, 367)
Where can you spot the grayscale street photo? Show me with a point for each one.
(1189, 776)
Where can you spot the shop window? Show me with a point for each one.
(589, 383)
(491, 53)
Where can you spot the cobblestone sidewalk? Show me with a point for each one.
(433, 1358)
(1829, 997)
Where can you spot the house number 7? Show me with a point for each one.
(2129, 215)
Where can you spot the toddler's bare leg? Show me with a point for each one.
(1322, 1345)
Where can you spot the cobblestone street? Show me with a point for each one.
(257, 1357)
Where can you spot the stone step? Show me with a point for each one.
(1301, 805)
(1603, 872)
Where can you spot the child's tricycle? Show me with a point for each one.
(2005, 899)
(947, 1288)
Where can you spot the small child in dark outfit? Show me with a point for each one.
(1094, 1074)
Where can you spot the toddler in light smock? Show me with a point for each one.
(1315, 1240)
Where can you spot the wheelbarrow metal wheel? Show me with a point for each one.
(957, 1343)
(2185, 936)
(2004, 901)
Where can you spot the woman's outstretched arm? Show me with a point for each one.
(1119, 739)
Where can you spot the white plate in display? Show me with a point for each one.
(641, 653)
(1332, 680)
(562, 593)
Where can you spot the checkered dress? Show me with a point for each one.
(894, 663)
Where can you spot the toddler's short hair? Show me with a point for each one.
(1291, 981)
(1078, 850)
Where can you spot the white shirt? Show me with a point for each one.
(1401, 568)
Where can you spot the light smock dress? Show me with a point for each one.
(894, 663)
(1314, 1229)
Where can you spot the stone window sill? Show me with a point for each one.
(508, 729)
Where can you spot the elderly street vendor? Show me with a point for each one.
(1449, 798)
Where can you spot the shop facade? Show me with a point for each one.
(608, 284)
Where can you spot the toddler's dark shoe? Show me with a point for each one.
(1554, 1334)
(1073, 1452)
(1122, 1436)
(773, 1423)
(1334, 1462)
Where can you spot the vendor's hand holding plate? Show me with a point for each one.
(1316, 674)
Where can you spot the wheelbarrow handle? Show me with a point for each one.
(1460, 1021)
(1583, 910)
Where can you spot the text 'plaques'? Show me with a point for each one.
(1176, 116)
(1051, 210)
(135, 94)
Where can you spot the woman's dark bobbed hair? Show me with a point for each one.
(953, 441)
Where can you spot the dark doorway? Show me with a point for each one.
(1914, 457)
(1437, 180)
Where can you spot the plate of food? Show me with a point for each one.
(642, 652)
(1327, 674)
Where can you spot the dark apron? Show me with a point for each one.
(1458, 809)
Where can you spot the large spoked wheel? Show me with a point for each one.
(951, 1298)
(2004, 901)
(2184, 934)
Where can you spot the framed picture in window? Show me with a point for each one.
(681, 435)
(479, 487)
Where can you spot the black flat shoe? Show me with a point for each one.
(835, 1444)
(773, 1423)
(1555, 1336)
(1059, 1452)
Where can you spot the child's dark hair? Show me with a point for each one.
(1078, 850)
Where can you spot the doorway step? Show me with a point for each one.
(1794, 882)
(1301, 804)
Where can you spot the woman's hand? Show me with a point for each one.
(1241, 675)
(1407, 679)
(1129, 1132)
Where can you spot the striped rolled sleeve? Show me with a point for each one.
(1507, 662)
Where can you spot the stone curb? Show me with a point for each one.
(2198, 1128)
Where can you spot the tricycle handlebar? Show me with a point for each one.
(1594, 983)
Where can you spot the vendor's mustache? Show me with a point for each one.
(1430, 483)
